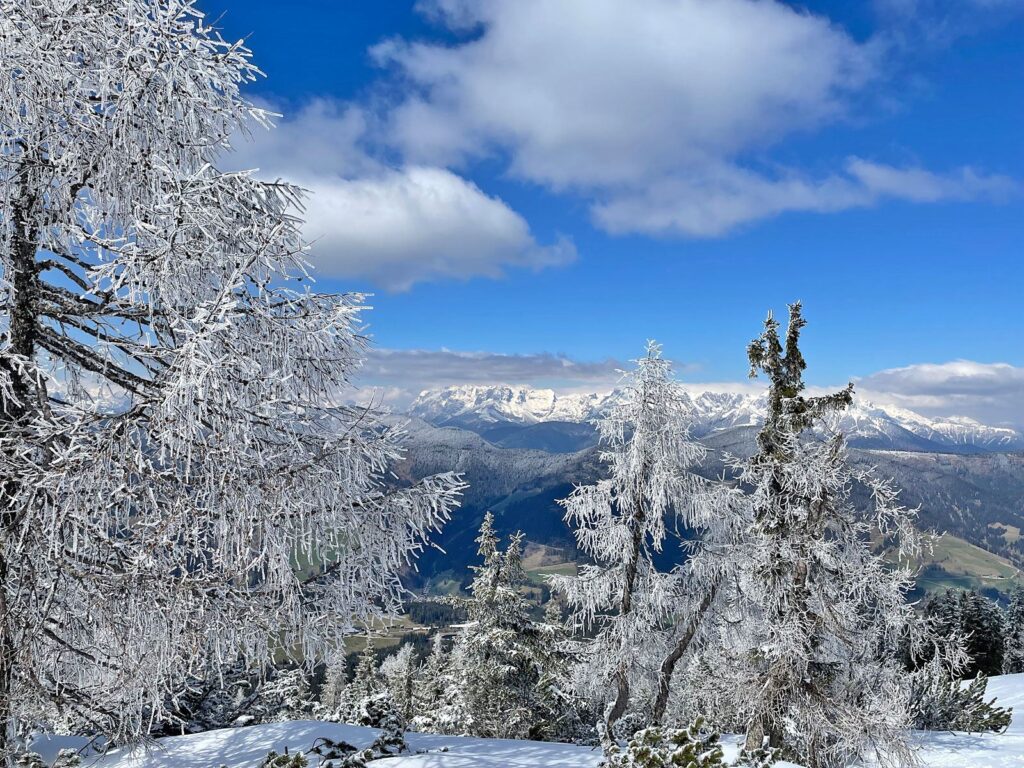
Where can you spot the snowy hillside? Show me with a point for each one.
(884, 427)
(246, 747)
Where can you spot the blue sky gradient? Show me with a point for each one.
(903, 279)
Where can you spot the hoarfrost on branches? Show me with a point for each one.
(171, 446)
(824, 612)
(620, 522)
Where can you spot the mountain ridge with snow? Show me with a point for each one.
(480, 408)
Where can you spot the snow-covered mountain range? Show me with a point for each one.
(485, 409)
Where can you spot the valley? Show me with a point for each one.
(965, 478)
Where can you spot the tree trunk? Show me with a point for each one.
(755, 735)
(621, 678)
(6, 669)
(668, 666)
(24, 280)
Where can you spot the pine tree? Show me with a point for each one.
(978, 625)
(940, 702)
(366, 683)
(821, 606)
(1013, 654)
(220, 698)
(695, 746)
(284, 696)
(620, 523)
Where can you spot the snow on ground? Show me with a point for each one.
(983, 750)
(246, 747)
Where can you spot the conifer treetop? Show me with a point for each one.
(788, 410)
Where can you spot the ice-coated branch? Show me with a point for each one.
(178, 480)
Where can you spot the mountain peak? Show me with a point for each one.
(480, 408)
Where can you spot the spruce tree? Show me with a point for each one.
(500, 657)
(400, 672)
(332, 693)
(366, 683)
(1013, 652)
(431, 707)
(982, 626)
(821, 606)
(973, 621)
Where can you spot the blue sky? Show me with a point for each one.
(530, 190)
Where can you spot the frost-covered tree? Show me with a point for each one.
(501, 655)
(170, 439)
(823, 608)
(433, 709)
(284, 696)
(401, 674)
(1013, 651)
(366, 683)
(566, 715)
(219, 698)
(970, 634)
(332, 692)
(941, 702)
(620, 524)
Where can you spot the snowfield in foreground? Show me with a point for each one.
(246, 747)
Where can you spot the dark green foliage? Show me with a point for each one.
(67, 758)
(274, 760)
(764, 757)
(435, 613)
(693, 747)
(941, 703)
(975, 619)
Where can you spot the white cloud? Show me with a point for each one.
(990, 392)
(608, 91)
(394, 226)
(416, 224)
(425, 368)
(716, 200)
(652, 109)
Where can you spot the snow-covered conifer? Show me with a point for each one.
(366, 683)
(976, 623)
(620, 523)
(695, 746)
(823, 608)
(215, 699)
(332, 692)
(400, 672)
(433, 709)
(1013, 652)
(285, 695)
(941, 702)
(500, 657)
(170, 436)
